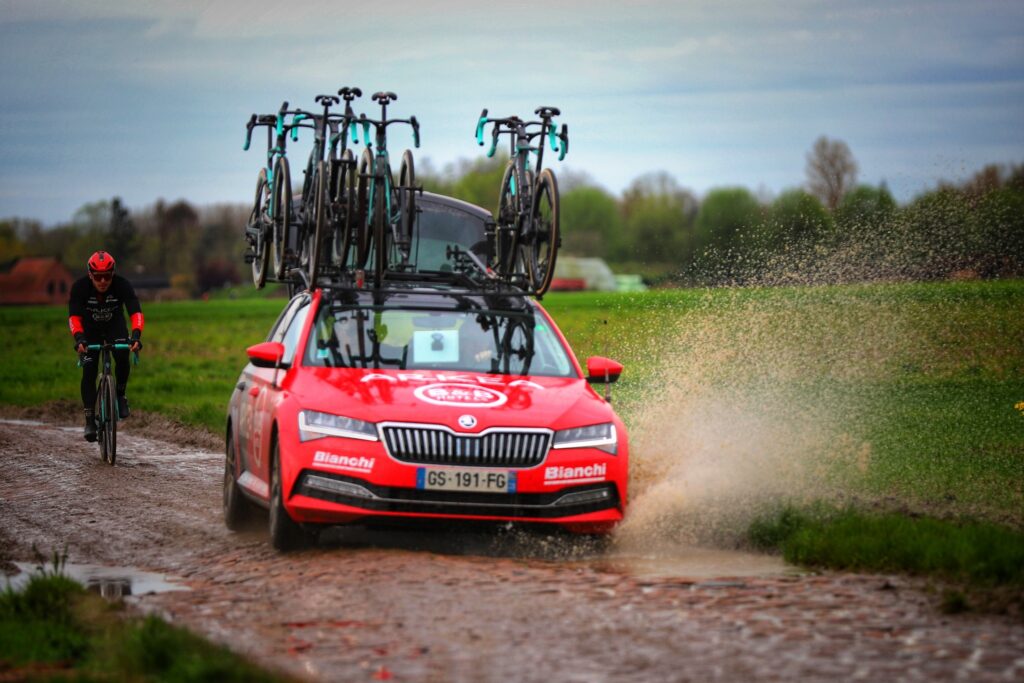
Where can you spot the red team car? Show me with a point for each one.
(427, 399)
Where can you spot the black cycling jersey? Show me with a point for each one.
(100, 314)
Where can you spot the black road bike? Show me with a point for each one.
(387, 211)
(268, 231)
(327, 215)
(105, 410)
(527, 233)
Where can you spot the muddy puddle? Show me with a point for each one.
(110, 582)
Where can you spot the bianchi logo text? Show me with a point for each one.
(581, 474)
(354, 463)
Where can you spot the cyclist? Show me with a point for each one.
(95, 317)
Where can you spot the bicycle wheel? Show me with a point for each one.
(320, 220)
(407, 206)
(256, 232)
(544, 235)
(111, 437)
(101, 411)
(282, 215)
(381, 234)
(363, 217)
(505, 238)
(343, 199)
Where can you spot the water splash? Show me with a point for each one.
(753, 409)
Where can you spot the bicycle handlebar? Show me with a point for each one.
(513, 125)
(116, 347)
(367, 122)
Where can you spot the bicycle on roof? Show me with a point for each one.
(387, 211)
(268, 232)
(326, 215)
(527, 233)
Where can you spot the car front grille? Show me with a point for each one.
(427, 445)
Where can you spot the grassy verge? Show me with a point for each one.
(54, 629)
(980, 563)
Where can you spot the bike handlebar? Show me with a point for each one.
(513, 125)
(367, 122)
(115, 347)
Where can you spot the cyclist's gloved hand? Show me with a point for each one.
(136, 340)
(80, 343)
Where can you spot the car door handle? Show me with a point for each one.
(240, 386)
(255, 391)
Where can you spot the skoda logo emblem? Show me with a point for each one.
(467, 421)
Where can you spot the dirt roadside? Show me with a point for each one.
(460, 606)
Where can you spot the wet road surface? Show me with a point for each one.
(471, 605)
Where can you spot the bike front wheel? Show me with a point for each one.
(364, 222)
(407, 206)
(282, 207)
(381, 234)
(106, 420)
(257, 234)
(544, 233)
(506, 237)
(344, 201)
(320, 220)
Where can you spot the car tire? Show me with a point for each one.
(239, 511)
(285, 533)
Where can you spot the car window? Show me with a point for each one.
(489, 342)
(280, 326)
(438, 227)
(291, 336)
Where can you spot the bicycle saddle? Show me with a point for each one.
(350, 94)
(326, 100)
(547, 112)
(384, 98)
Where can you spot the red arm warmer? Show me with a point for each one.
(137, 321)
(75, 323)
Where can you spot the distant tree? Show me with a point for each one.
(831, 171)
(591, 224)
(12, 243)
(659, 216)
(726, 232)
(796, 217)
(122, 231)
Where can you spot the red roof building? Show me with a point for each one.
(35, 280)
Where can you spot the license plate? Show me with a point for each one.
(465, 479)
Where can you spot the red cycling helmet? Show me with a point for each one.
(101, 262)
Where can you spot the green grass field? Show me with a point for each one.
(885, 398)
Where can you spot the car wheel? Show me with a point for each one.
(285, 534)
(239, 512)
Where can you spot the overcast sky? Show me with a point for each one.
(149, 99)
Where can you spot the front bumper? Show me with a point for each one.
(344, 481)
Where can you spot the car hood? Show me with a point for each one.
(444, 397)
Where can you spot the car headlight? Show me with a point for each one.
(601, 437)
(314, 425)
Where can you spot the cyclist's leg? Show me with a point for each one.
(121, 371)
(89, 363)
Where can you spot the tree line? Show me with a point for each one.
(830, 230)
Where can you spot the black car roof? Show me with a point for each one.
(453, 203)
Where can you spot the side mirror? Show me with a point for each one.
(266, 355)
(603, 370)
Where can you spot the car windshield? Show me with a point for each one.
(476, 341)
(439, 227)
